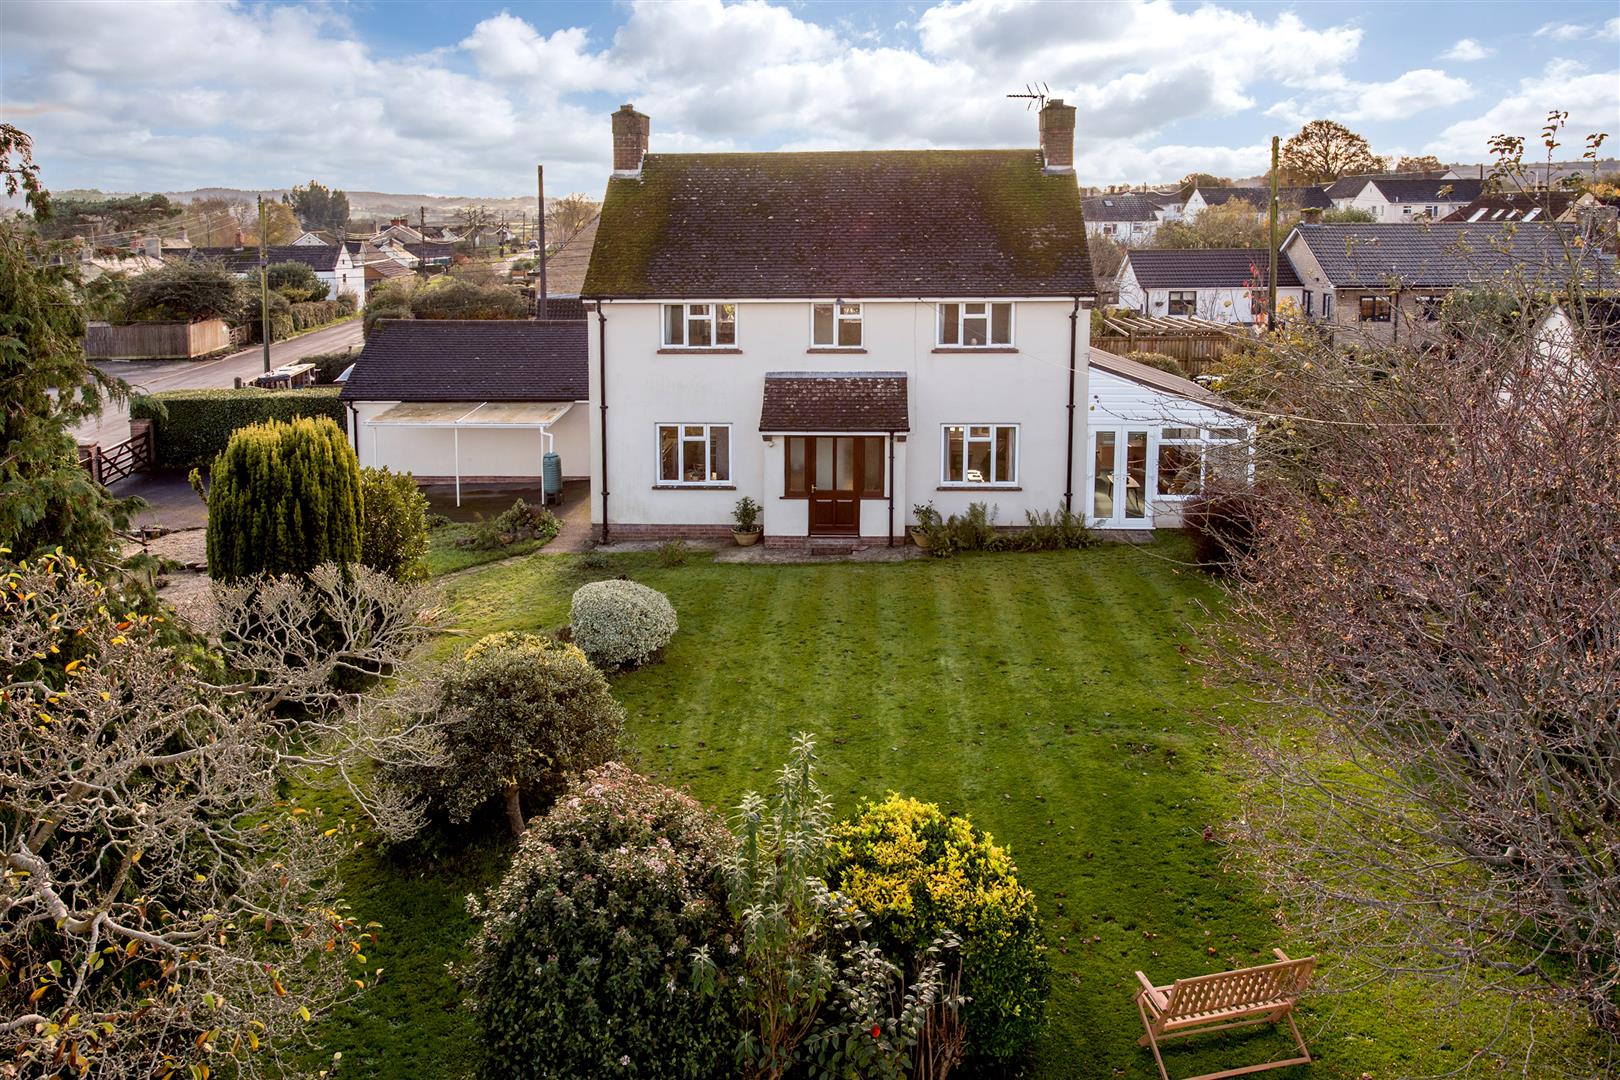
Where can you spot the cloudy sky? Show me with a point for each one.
(466, 98)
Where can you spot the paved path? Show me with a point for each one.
(149, 376)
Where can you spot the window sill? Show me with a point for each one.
(836, 349)
(980, 487)
(695, 487)
(975, 349)
(701, 351)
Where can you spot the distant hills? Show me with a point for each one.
(361, 203)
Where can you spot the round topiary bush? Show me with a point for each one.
(393, 526)
(582, 963)
(922, 875)
(519, 711)
(620, 623)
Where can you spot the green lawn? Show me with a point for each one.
(1047, 696)
(445, 557)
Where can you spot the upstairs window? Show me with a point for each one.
(1375, 309)
(1183, 304)
(700, 326)
(835, 326)
(975, 326)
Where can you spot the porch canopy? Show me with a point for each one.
(456, 415)
(834, 401)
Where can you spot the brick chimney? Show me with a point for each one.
(1057, 136)
(630, 131)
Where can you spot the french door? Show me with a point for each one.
(1119, 477)
(834, 473)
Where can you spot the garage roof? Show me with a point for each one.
(474, 360)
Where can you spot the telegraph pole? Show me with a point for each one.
(264, 284)
(421, 226)
(1271, 277)
(540, 181)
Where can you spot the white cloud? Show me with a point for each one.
(1467, 50)
(1589, 98)
(1564, 31)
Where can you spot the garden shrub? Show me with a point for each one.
(1162, 361)
(1222, 528)
(193, 426)
(294, 280)
(283, 498)
(377, 312)
(920, 876)
(393, 524)
(1052, 530)
(309, 315)
(519, 710)
(520, 521)
(620, 623)
(581, 965)
(458, 299)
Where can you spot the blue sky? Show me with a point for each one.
(465, 98)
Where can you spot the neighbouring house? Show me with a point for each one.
(1290, 200)
(1564, 206)
(1125, 216)
(462, 401)
(316, 238)
(378, 265)
(1154, 440)
(1386, 281)
(332, 264)
(1404, 197)
(842, 336)
(565, 275)
(1217, 284)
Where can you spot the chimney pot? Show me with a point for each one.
(1057, 136)
(630, 132)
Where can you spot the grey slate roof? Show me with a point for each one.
(1220, 196)
(471, 360)
(1401, 188)
(1293, 198)
(1207, 268)
(1515, 205)
(1448, 254)
(1120, 206)
(246, 259)
(886, 223)
(834, 401)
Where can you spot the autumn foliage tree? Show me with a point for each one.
(1433, 601)
(1323, 150)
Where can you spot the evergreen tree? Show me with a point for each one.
(284, 498)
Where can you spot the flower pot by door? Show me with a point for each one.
(745, 539)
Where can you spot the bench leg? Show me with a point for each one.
(1149, 1040)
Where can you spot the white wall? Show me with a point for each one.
(504, 453)
(1027, 387)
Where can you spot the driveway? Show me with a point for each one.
(150, 376)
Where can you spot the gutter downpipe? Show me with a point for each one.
(601, 380)
(891, 489)
(1074, 338)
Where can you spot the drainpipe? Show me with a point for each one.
(891, 489)
(601, 381)
(1074, 346)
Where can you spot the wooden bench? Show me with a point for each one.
(1225, 1000)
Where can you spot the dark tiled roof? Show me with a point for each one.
(565, 269)
(1348, 187)
(1305, 198)
(1207, 268)
(1514, 205)
(1415, 189)
(834, 401)
(246, 259)
(1448, 254)
(1294, 198)
(1120, 206)
(471, 360)
(1219, 196)
(855, 224)
(563, 309)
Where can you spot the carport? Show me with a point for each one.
(487, 415)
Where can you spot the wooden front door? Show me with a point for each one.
(835, 492)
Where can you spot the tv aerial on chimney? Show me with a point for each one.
(1034, 99)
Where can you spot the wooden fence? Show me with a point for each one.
(109, 464)
(157, 340)
(1195, 352)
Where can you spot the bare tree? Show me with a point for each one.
(165, 903)
(1433, 603)
(567, 216)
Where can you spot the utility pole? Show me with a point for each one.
(421, 225)
(540, 181)
(264, 284)
(1271, 277)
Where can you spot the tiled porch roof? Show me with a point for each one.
(824, 401)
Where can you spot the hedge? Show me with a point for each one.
(194, 425)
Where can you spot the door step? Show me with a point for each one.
(831, 545)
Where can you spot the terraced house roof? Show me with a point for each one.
(1208, 268)
(891, 223)
(1445, 255)
(471, 360)
(1121, 206)
(246, 259)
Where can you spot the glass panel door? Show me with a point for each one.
(1136, 462)
(1102, 471)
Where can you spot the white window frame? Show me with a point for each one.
(712, 317)
(961, 321)
(1157, 438)
(1170, 302)
(967, 440)
(680, 454)
(839, 317)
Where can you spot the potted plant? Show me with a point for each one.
(927, 521)
(746, 531)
